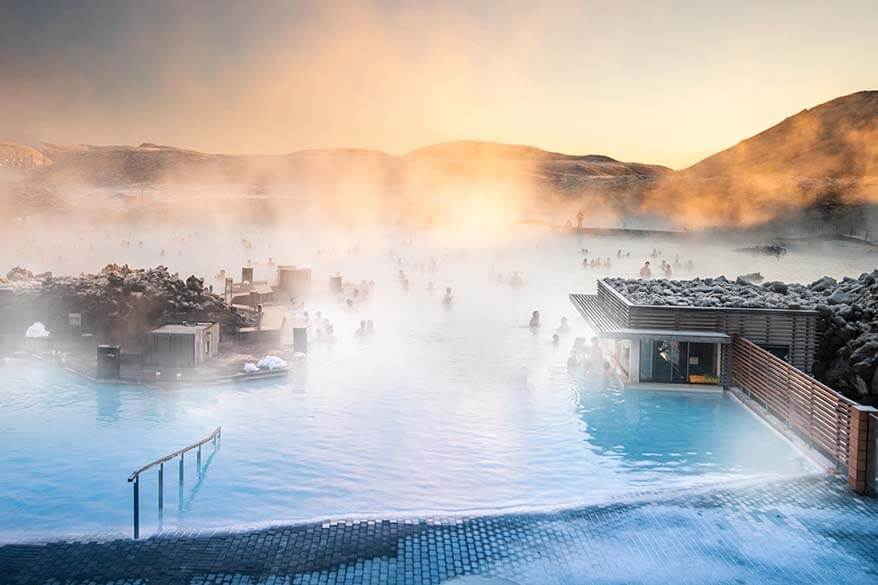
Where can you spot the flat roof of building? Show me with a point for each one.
(667, 335)
(590, 307)
(182, 328)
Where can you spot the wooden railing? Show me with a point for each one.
(816, 412)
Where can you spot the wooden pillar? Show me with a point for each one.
(228, 291)
(861, 471)
(872, 455)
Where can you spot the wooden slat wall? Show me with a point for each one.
(813, 410)
(170, 350)
(214, 340)
(614, 304)
(592, 310)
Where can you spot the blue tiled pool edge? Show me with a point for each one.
(809, 529)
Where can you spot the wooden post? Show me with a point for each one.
(872, 455)
(228, 290)
(859, 466)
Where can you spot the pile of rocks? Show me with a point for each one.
(718, 292)
(118, 304)
(847, 323)
(847, 349)
(772, 249)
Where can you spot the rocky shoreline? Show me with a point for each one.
(847, 350)
(116, 305)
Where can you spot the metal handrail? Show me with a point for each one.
(134, 478)
(214, 435)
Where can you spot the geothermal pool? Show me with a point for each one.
(446, 409)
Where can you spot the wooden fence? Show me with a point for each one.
(834, 425)
(813, 410)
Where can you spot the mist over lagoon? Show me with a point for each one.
(447, 293)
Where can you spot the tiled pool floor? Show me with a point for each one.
(805, 530)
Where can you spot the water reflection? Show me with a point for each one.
(109, 404)
(680, 432)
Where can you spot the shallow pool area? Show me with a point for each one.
(292, 454)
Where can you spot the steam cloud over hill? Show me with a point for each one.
(819, 161)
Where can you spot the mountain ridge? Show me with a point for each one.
(121, 165)
(821, 159)
(834, 139)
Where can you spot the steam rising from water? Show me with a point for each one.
(445, 408)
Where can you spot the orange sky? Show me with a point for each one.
(665, 83)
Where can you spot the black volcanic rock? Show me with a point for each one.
(119, 304)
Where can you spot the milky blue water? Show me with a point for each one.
(307, 449)
(457, 409)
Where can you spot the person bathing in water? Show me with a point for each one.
(534, 319)
(564, 327)
(577, 353)
(516, 279)
(448, 296)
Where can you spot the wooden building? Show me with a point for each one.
(253, 295)
(665, 344)
(181, 345)
(293, 281)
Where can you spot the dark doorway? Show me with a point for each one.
(678, 362)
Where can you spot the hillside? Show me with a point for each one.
(476, 150)
(13, 154)
(119, 166)
(492, 152)
(837, 139)
(820, 162)
(149, 164)
(817, 167)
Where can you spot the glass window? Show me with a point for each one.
(646, 348)
(663, 361)
(678, 362)
(703, 366)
